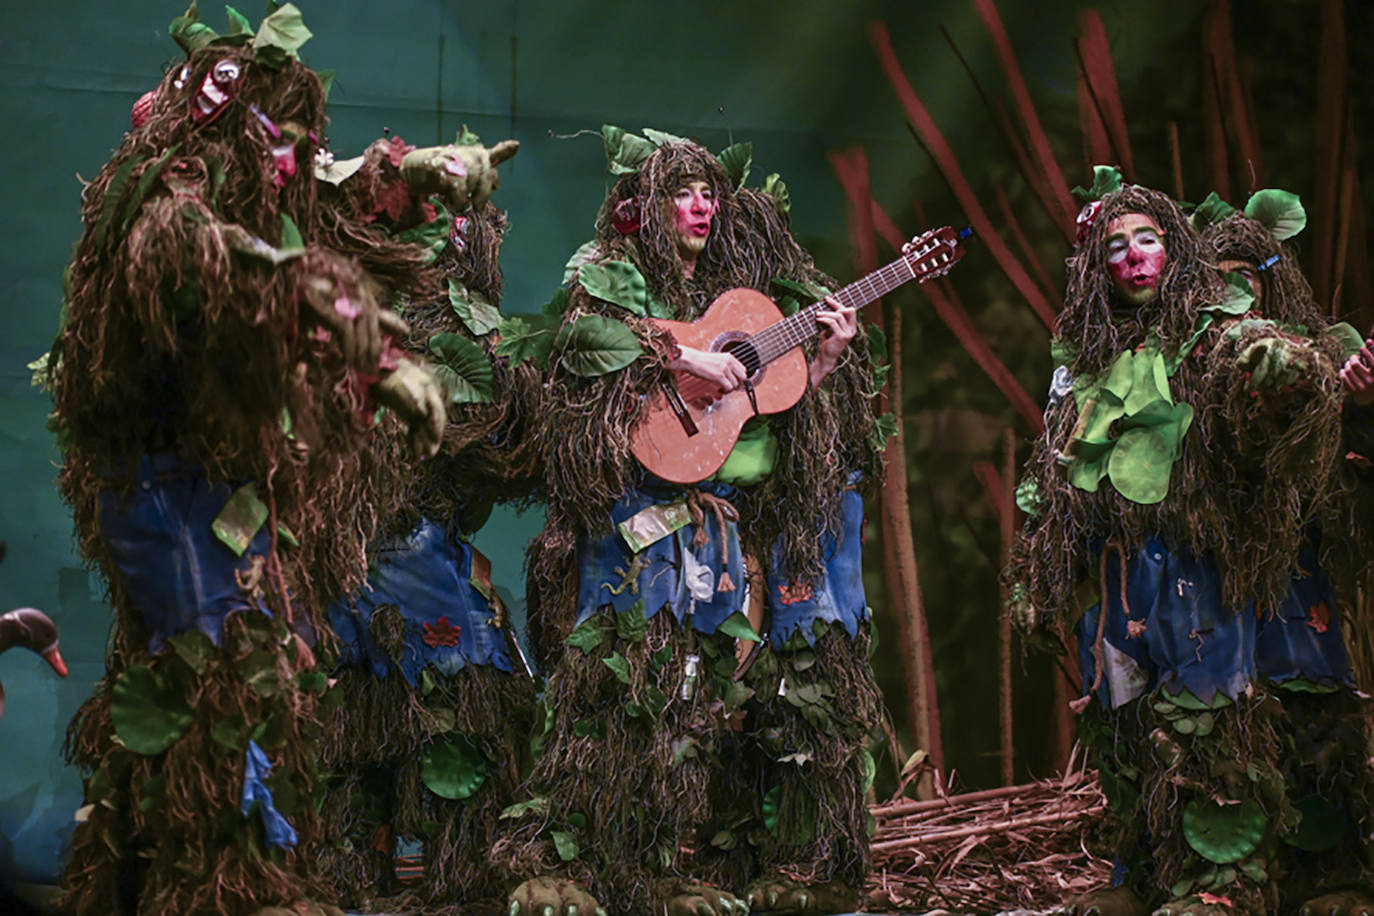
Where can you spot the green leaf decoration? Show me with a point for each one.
(877, 343)
(594, 345)
(776, 188)
(658, 308)
(566, 844)
(868, 768)
(1223, 833)
(327, 78)
(537, 805)
(772, 802)
(1140, 464)
(454, 767)
(240, 519)
(130, 207)
(1280, 211)
(737, 626)
(229, 733)
(114, 192)
(465, 372)
(738, 159)
(804, 290)
(589, 728)
(1106, 179)
(617, 282)
(1212, 210)
(663, 138)
(240, 29)
(433, 234)
(586, 636)
(525, 338)
(189, 32)
(291, 234)
(280, 35)
(149, 714)
(625, 152)
(476, 312)
(39, 368)
(1028, 496)
(586, 253)
(194, 648)
(1350, 339)
(465, 137)
(557, 306)
(884, 428)
(618, 665)
(631, 625)
(1240, 297)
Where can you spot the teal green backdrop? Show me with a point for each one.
(797, 78)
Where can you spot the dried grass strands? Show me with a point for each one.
(1016, 846)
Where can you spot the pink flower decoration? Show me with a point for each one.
(345, 307)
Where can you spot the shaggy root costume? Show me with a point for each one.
(666, 762)
(213, 456)
(434, 700)
(1191, 481)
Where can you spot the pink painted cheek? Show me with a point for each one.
(1154, 262)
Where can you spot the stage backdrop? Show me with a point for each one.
(797, 78)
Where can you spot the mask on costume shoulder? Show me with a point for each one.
(219, 87)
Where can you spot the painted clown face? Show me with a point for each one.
(694, 204)
(1136, 257)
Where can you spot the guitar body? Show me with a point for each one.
(661, 443)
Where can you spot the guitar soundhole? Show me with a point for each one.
(744, 351)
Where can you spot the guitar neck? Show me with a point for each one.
(795, 330)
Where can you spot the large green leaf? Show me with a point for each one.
(631, 625)
(149, 714)
(621, 667)
(189, 32)
(1140, 463)
(280, 35)
(476, 312)
(194, 648)
(1280, 211)
(1212, 210)
(1106, 179)
(566, 844)
(240, 29)
(737, 625)
(625, 152)
(617, 282)
(595, 345)
(465, 371)
(525, 338)
(776, 188)
(738, 159)
(454, 767)
(432, 234)
(662, 137)
(241, 518)
(586, 636)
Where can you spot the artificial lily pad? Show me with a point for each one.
(595, 345)
(1223, 833)
(454, 767)
(148, 713)
(617, 282)
(464, 370)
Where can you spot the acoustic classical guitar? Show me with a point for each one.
(686, 433)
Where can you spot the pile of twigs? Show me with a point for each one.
(999, 849)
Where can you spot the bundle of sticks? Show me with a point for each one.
(1017, 847)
